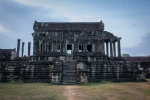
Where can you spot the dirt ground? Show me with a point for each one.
(70, 92)
(113, 91)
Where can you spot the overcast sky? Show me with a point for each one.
(129, 19)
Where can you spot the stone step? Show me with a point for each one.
(72, 77)
(70, 80)
(69, 74)
(69, 68)
(69, 77)
(69, 71)
(69, 83)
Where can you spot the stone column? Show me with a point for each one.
(43, 45)
(64, 47)
(77, 47)
(119, 47)
(114, 47)
(52, 46)
(55, 46)
(35, 46)
(47, 45)
(85, 49)
(61, 47)
(18, 47)
(103, 44)
(29, 46)
(74, 50)
(99, 46)
(39, 46)
(111, 51)
(22, 49)
(107, 48)
(93, 46)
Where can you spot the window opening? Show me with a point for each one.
(49, 47)
(45, 47)
(41, 48)
(80, 49)
(69, 48)
(58, 48)
(89, 47)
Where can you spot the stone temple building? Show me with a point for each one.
(71, 53)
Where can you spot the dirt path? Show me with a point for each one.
(71, 93)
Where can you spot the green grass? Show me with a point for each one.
(96, 83)
(16, 82)
(29, 91)
(103, 90)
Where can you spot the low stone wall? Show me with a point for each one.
(48, 71)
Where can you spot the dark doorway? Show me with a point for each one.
(41, 48)
(69, 48)
(80, 48)
(58, 48)
(89, 47)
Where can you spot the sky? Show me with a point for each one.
(129, 19)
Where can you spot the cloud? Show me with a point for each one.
(142, 49)
(5, 31)
(17, 17)
(16, 22)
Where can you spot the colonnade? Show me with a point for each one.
(112, 47)
(48, 46)
(18, 48)
(62, 47)
(98, 46)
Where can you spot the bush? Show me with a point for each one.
(15, 82)
(96, 83)
(105, 82)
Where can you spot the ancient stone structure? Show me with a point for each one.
(7, 54)
(143, 62)
(71, 53)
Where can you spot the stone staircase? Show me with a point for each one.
(69, 71)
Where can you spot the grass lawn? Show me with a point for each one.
(105, 91)
(30, 91)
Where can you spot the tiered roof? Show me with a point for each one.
(68, 25)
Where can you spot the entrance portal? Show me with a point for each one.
(69, 48)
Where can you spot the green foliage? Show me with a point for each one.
(16, 82)
(96, 83)
(45, 84)
(105, 82)
(148, 91)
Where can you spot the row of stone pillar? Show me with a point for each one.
(42, 47)
(18, 48)
(113, 47)
(51, 46)
(62, 47)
